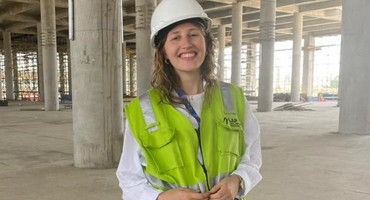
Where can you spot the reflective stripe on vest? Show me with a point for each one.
(165, 185)
(147, 110)
(226, 97)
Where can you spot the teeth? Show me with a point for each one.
(188, 55)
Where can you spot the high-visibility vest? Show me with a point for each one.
(170, 143)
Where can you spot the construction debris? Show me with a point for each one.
(281, 97)
(293, 107)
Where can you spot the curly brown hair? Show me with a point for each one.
(165, 78)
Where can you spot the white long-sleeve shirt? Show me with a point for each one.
(131, 177)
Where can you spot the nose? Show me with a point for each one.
(186, 42)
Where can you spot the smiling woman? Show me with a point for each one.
(190, 136)
(185, 49)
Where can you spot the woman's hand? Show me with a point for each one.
(182, 194)
(226, 189)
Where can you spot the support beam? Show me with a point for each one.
(97, 84)
(221, 52)
(354, 82)
(296, 59)
(144, 51)
(251, 69)
(308, 65)
(15, 73)
(49, 54)
(40, 70)
(236, 43)
(8, 66)
(15, 10)
(320, 6)
(267, 39)
(20, 25)
(61, 89)
(124, 69)
(69, 68)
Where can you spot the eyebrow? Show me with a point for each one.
(176, 32)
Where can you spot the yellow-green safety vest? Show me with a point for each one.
(170, 143)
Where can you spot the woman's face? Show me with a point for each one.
(185, 48)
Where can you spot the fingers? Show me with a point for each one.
(195, 194)
(222, 192)
(217, 195)
(215, 188)
(188, 190)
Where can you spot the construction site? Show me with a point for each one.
(68, 68)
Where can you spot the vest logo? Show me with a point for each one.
(231, 121)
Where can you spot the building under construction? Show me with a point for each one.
(68, 67)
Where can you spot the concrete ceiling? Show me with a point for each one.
(321, 17)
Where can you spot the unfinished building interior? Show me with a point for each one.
(68, 67)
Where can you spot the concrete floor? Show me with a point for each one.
(304, 157)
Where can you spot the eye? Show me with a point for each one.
(175, 38)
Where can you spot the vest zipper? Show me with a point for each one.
(201, 152)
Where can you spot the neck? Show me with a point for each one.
(191, 84)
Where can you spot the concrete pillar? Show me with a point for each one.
(15, 73)
(236, 35)
(296, 62)
(69, 68)
(354, 116)
(144, 50)
(124, 68)
(8, 65)
(221, 52)
(49, 54)
(61, 73)
(251, 68)
(308, 61)
(267, 39)
(132, 89)
(40, 71)
(97, 84)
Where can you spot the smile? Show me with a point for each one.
(187, 55)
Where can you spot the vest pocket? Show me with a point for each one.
(163, 148)
(229, 138)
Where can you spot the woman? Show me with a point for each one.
(190, 136)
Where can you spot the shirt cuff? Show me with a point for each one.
(250, 178)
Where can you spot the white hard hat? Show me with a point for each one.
(172, 11)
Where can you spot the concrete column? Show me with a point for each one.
(354, 116)
(132, 89)
(251, 68)
(15, 73)
(144, 51)
(69, 68)
(308, 61)
(49, 52)
(97, 84)
(8, 65)
(236, 35)
(221, 52)
(40, 71)
(124, 68)
(267, 38)
(296, 63)
(61, 73)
